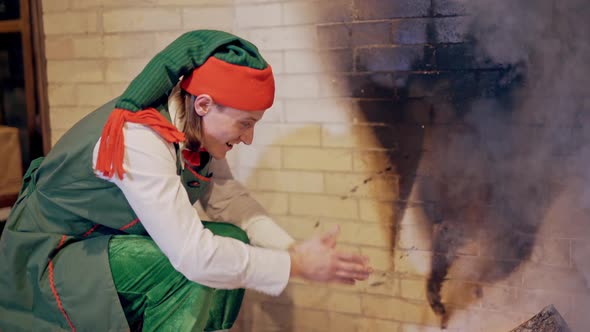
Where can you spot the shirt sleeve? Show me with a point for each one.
(155, 193)
(228, 200)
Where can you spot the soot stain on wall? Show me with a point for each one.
(473, 88)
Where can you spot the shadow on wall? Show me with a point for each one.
(485, 124)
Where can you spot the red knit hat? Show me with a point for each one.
(237, 86)
(227, 67)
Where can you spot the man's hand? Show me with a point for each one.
(317, 260)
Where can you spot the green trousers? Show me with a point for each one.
(156, 297)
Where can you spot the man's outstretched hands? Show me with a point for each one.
(317, 259)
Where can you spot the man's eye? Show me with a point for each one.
(246, 124)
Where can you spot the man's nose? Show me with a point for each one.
(248, 136)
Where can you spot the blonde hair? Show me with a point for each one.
(183, 103)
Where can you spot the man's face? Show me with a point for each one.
(224, 127)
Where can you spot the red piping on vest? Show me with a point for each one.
(131, 224)
(56, 295)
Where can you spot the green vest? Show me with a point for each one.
(54, 268)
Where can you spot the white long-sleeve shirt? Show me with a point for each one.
(155, 193)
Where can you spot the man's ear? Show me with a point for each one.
(202, 104)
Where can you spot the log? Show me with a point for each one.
(548, 320)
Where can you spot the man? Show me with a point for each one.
(104, 235)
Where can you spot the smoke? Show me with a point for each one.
(524, 147)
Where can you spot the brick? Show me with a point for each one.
(335, 85)
(450, 85)
(532, 302)
(303, 296)
(117, 46)
(55, 6)
(325, 110)
(373, 33)
(127, 3)
(59, 48)
(286, 317)
(373, 161)
(380, 258)
(451, 29)
(340, 61)
(378, 211)
(371, 85)
(144, 19)
(376, 59)
(553, 279)
(398, 309)
(335, 10)
(95, 95)
(498, 298)
(203, 3)
(573, 227)
(70, 23)
(302, 61)
(413, 289)
(283, 38)
(86, 4)
(317, 159)
(506, 245)
(300, 13)
(124, 70)
(253, 1)
(348, 323)
(423, 328)
(580, 255)
(476, 269)
(410, 31)
(220, 18)
(449, 7)
(163, 39)
(290, 181)
(353, 233)
(87, 47)
(259, 156)
(334, 36)
(415, 237)
(299, 227)
(78, 71)
(375, 9)
(383, 283)
(363, 137)
(61, 95)
(461, 293)
(287, 134)
(323, 206)
(297, 86)
(412, 262)
(500, 321)
(378, 111)
(362, 185)
(275, 203)
(578, 318)
(460, 57)
(553, 252)
(259, 15)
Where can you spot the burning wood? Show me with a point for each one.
(548, 320)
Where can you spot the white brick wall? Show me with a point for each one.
(310, 163)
